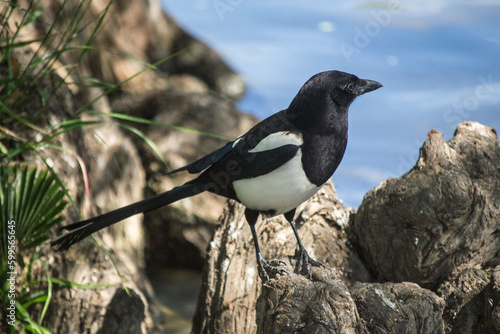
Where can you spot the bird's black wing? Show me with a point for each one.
(238, 151)
(205, 162)
(251, 156)
(253, 164)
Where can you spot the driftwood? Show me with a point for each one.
(233, 299)
(443, 214)
(398, 308)
(437, 227)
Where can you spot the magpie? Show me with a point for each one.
(273, 168)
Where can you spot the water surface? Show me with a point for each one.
(439, 62)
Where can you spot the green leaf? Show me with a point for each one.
(33, 15)
(20, 119)
(33, 200)
(39, 299)
(150, 122)
(146, 139)
(49, 292)
(33, 327)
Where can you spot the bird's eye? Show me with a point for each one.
(349, 87)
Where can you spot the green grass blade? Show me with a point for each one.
(20, 119)
(64, 127)
(39, 297)
(33, 15)
(146, 139)
(140, 120)
(115, 265)
(121, 83)
(76, 123)
(49, 292)
(22, 314)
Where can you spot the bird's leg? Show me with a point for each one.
(262, 265)
(303, 259)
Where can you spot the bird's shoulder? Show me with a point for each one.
(268, 136)
(270, 133)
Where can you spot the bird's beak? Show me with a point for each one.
(366, 86)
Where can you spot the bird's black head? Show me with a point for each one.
(323, 100)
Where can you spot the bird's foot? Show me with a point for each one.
(265, 268)
(304, 263)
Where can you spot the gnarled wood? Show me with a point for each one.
(233, 299)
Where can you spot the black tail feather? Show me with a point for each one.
(83, 229)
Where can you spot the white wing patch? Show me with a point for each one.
(277, 139)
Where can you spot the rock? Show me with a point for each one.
(438, 226)
(462, 287)
(110, 169)
(443, 214)
(493, 302)
(128, 319)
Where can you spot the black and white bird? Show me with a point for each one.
(273, 168)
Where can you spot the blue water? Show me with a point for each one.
(439, 62)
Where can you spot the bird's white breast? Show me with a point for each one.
(283, 189)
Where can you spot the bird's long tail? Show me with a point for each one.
(82, 229)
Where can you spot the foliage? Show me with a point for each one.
(32, 74)
(32, 201)
(30, 204)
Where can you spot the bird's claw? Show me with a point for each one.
(304, 263)
(265, 268)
